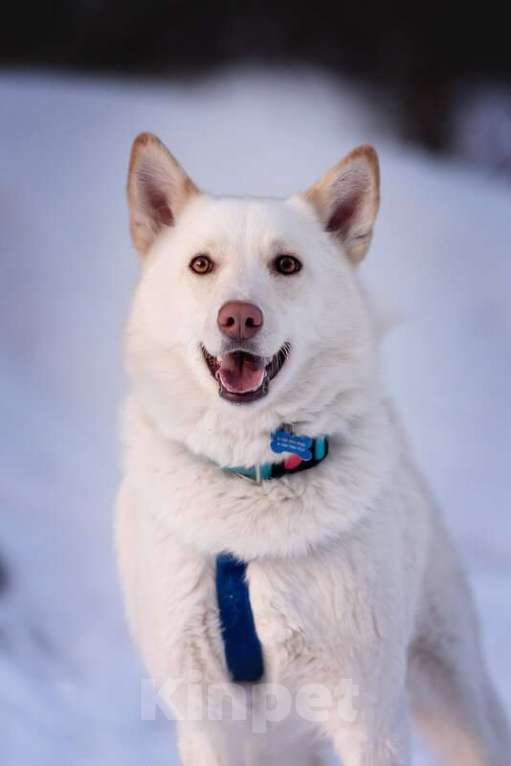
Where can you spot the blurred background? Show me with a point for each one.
(445, 73)
(252, 97)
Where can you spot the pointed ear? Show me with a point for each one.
(346, 200)
(158, 189)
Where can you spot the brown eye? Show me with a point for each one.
(202, 264)
(287, 264)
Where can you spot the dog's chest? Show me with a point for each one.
(298, 611)
(302, 607)
(276, 620)
(297, 615)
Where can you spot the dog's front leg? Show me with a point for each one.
(369, 722)
(371, 741)
(200, 744)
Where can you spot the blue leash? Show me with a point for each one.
(243, 651)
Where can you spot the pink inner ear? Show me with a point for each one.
(343, 215)
(164, 215)
(158, 204)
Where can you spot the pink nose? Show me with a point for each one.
(240, 321)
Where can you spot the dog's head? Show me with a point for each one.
(248, 310)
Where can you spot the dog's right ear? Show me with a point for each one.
(158, 189)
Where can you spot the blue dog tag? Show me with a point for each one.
(285, 441)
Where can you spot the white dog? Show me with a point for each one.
(286, 574)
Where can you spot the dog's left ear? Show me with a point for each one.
(158, 189)
(346, 200)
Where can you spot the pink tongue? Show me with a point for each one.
(240, 373)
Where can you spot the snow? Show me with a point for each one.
(70, 682)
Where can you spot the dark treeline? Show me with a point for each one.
(418, 52)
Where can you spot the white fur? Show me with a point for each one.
(351, 573)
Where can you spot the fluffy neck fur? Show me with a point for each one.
(289, 517)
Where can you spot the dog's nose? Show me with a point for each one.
(239, 320)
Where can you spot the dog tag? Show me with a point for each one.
(285, 441)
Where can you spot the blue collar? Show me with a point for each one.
(306, 453)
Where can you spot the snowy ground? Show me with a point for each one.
(69, 679)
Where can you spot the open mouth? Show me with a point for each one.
(243, 377)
